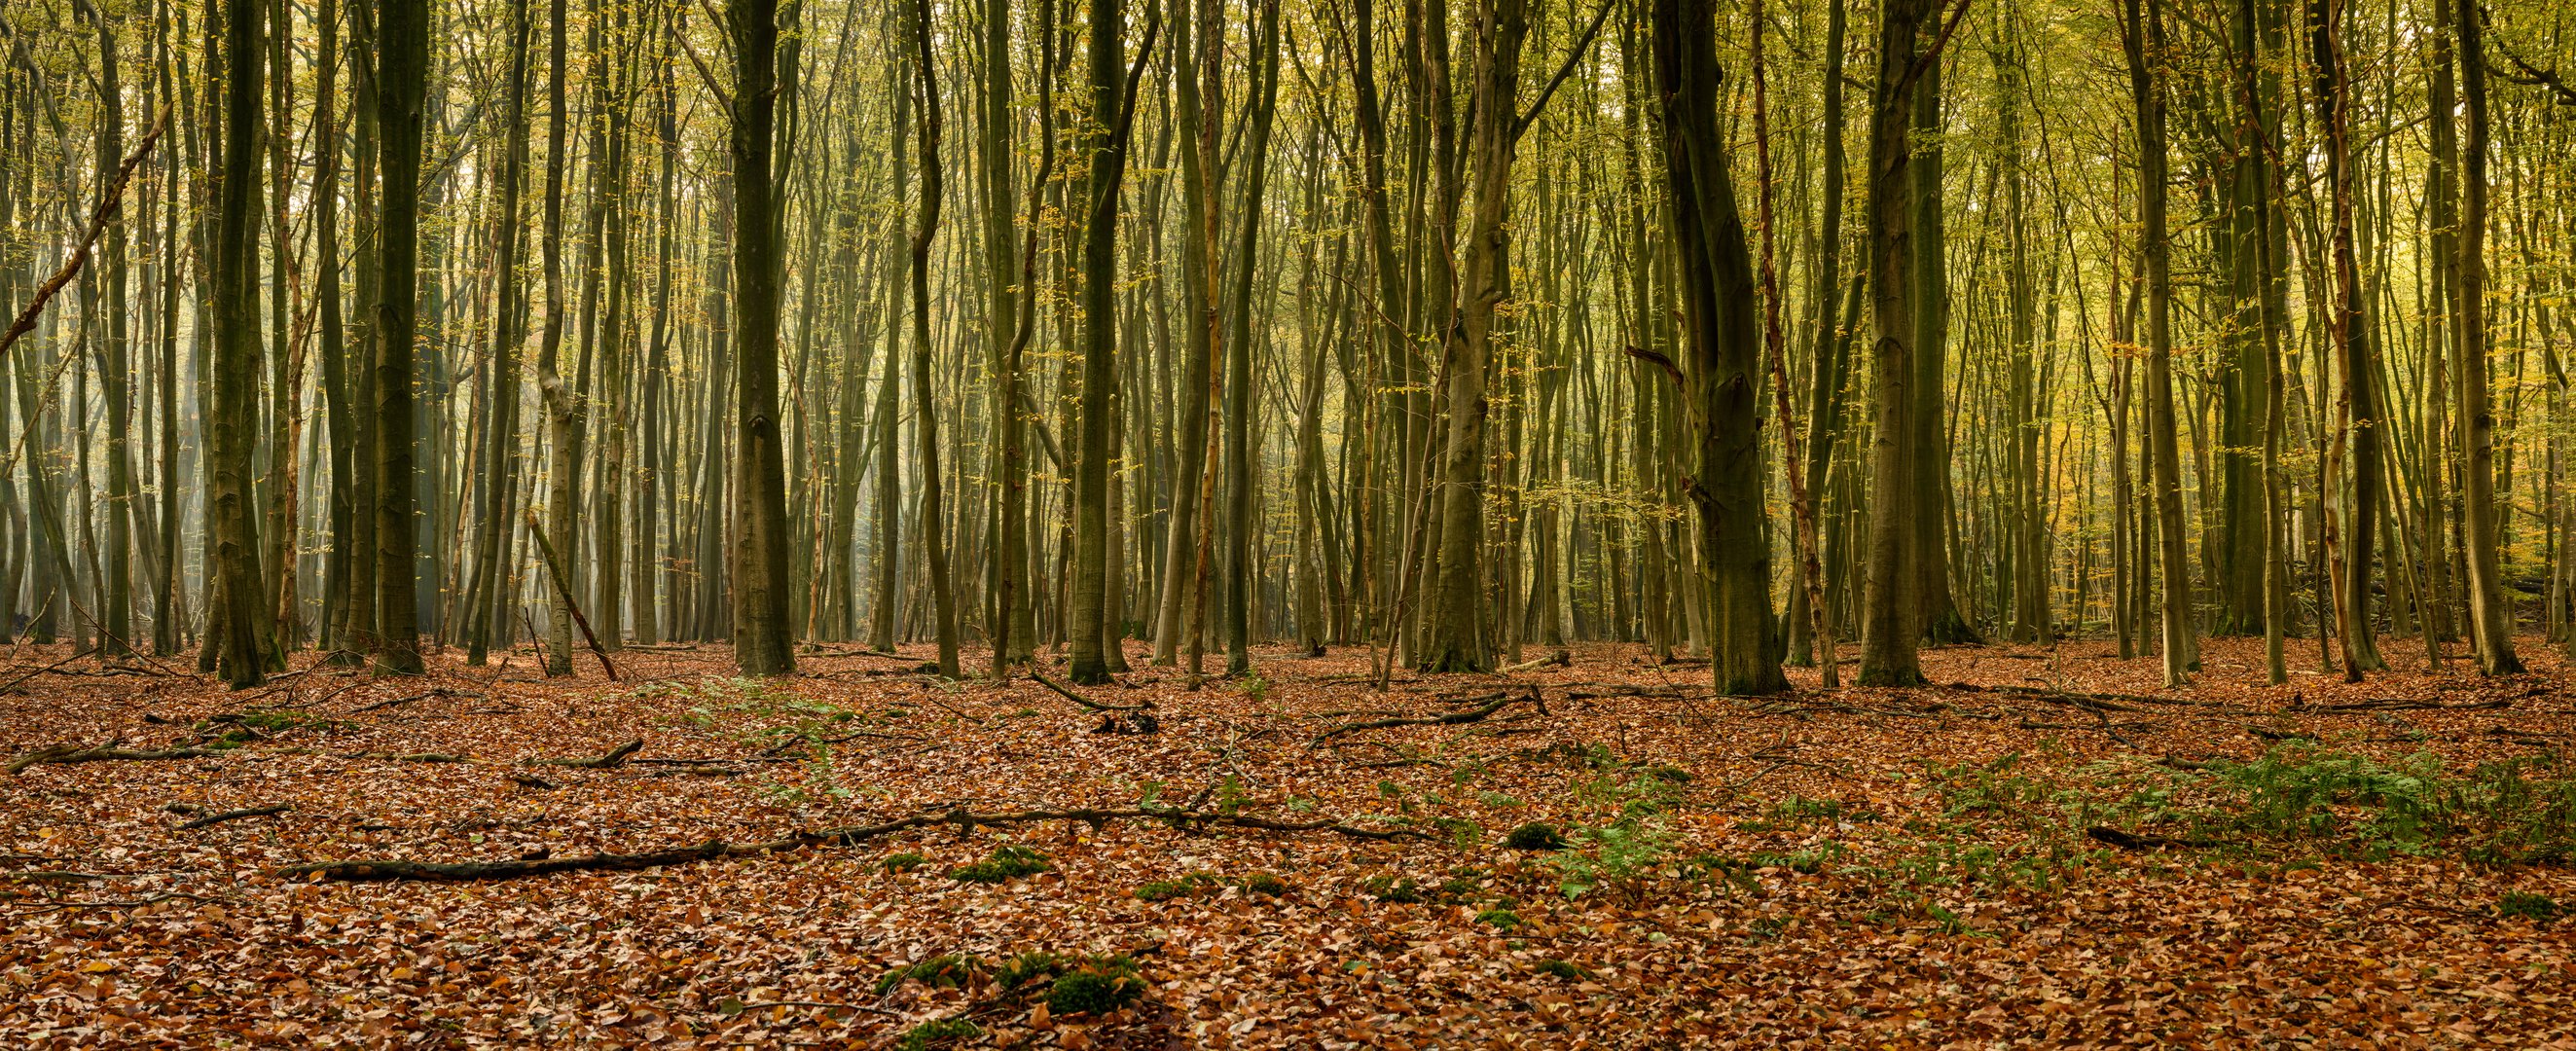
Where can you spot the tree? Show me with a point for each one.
(761, 640)
(235, 631)
(402, 61)
(2142, 34)
(1721, 380)
(926, 419)
(2490, 615)
(1892, 605)
(501, 425)
(1111, 105)
(1238, 349)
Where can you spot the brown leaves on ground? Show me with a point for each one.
(2048, 850)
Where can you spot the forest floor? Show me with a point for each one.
(2045, 848)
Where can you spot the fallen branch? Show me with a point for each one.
(153, 900)
(2116, 702)
(563, 590)
(1086, 702)
(843, 837)
(1474, 715)
(64, 754)
(408, 757)
(437, 691)
(1555, 658)
(2139, 841)
(615, 758)
(236, 815)
(2403, 704)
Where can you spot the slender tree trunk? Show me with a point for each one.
(501, 427)
(2490, 614)
(925, 422)
(1239, 466)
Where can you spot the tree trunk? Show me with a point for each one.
(761, 642)
(2490, 613)
(1892, 606)
(402, 71)
(1721, 373)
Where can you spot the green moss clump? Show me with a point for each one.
(904, 862)
(1006, 864)
(1535, 836)
(1165, 890)
(1100, 986)
(2538, 908)
(1264, 883)
(1499, 919)
(948, 970)
(1035, 965)
(937, 1031)
(1392, 890)
(1562, 969)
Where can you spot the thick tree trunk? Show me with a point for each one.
(1457, 640)
(1086, 621)
(761, 642)
(402, 55)
(1723, 367)
(1892, 605)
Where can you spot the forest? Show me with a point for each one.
(1415, 523)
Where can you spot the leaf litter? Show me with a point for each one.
(2043, 849)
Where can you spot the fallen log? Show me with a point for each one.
(65, 754)
(377, 870)
(1473, 715)
(235, 815)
